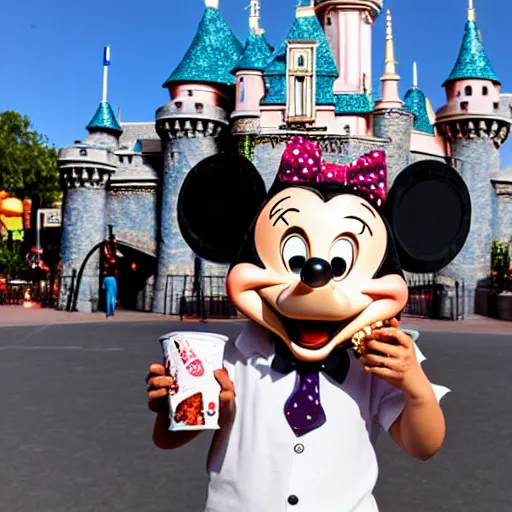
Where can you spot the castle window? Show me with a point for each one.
(464, 106)
(242, 89)
(468, 90)
(329, 21)
(83, 152)
(301, 81)
(199, 107)
(179, 104)
(485, 90)
(191, 93)
(496, 106)
(459, 94)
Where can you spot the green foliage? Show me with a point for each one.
(501, 275)
(28, 166)
(247, 146)
(12, 265)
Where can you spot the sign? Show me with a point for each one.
(52, 218)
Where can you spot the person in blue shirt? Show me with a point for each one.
(110, 287)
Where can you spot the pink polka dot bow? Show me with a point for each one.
(302, 163)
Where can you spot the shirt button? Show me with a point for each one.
(298, 448)
(293, 500)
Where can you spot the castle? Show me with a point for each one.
(253, 97)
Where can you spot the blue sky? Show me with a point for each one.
(51, 58)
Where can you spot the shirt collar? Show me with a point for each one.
(255, 340)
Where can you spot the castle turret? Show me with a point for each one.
(300, 76)
(471, 123)
(348, 29)
(417, 103)
(250, 85)
(191, 126)
(85, 170)
(390, 121)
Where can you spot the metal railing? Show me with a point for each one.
(188, 297)
(206, 297)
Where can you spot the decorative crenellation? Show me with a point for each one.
(467, 128)
(85, 176)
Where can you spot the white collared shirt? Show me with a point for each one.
(261, 466)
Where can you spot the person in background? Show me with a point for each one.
(110, 287)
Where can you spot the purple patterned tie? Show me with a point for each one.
(303, 409)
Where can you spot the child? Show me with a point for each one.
(314, 265)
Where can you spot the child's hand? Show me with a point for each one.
(390, 354)
(226, 398)
(158, 389)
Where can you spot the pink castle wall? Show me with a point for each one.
(350, 38)
(203, 93)
(429, 144)
(476, 102)
(254, 90)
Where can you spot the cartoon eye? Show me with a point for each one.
(295, 253)
(342, 257)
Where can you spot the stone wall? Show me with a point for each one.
(396, 126)
(174, 255)
(133, 213)
(84, 225)
(476, 160)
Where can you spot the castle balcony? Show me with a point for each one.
(189, 118)
(471, 125)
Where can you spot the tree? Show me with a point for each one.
(28, 165)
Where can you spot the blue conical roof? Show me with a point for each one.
(256, 54)
(104, 120)
(416, 102)
(472, 62)
(212, 55)
(303, 29)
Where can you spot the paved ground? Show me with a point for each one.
(75, 432)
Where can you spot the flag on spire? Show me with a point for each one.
(106, 56)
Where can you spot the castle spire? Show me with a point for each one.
(211, 4)
(390, 79)
(415, 75)
(390, 66)
(471, 11)
(254, 18)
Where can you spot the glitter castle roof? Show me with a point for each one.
(472, 62)
(303, 29)
(416, 103)
(212, 55)
(104, 120)
(256, 54)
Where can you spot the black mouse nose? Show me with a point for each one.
(316, 273)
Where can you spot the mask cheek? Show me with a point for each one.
(243, 286)
(390, 293)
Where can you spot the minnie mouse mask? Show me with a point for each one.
(320, 256)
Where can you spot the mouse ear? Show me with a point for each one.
(429, 212)
(217, 203)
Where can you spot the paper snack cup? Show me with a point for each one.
(191, 358)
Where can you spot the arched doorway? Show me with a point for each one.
(135, 279)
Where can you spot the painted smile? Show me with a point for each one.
(312, 334)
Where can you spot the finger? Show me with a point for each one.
(394, 323)
(383, 373)
(393, 334)
(156, 394)
(226, 396)
(385, 348)
(374, 360)
(161, 382)
(157, 369)
(223, 379)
